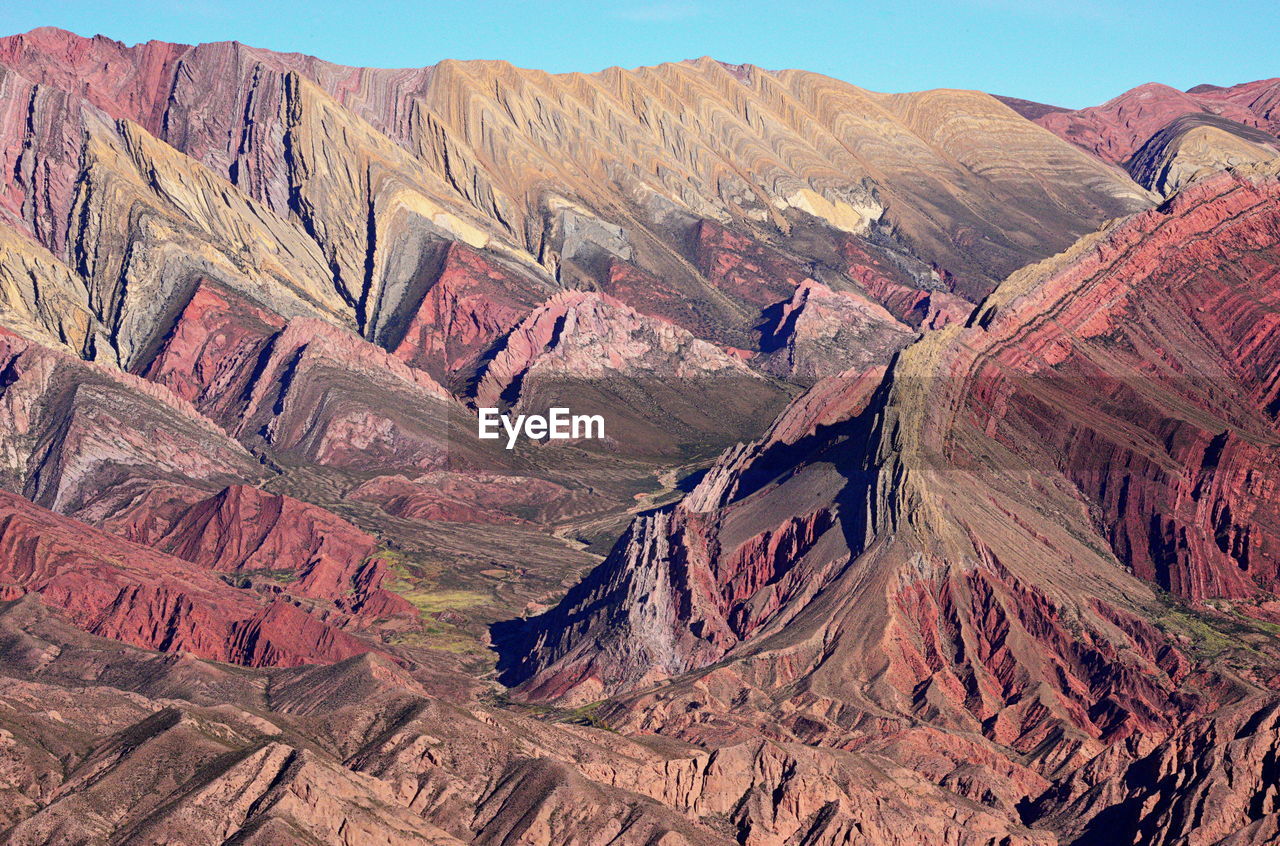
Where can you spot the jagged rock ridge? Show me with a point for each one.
(1001, 573)
(892, 553)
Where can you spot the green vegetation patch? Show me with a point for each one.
(434, 601)
(417, 584)
(245, 578)
(1214, 632)
(583, 715)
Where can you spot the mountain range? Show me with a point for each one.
(938, 499)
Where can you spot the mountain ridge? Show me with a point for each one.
(935, 501)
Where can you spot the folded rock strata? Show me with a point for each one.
(1003, 572)
(1116, 129)
(889, 554)
(114, 588)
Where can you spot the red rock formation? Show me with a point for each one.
(325, 394)
(761, 277)
(1182, 302)
(210, 354)
(1118, 127)
(76, 434)
(584, 335)
(471, 305)
(1212, 782)
(913, 610)
(117, 589)
(174, 89)
(978, 647)
(40, 146)
(742, 267)
(659, 388)
(316, 553)
(893, 554)
(926, 308)
(305, 388)
(121, 81)
(654, 295)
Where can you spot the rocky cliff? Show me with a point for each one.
(936, 502)
(891, 554)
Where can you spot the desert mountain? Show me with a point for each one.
(1116, 129)
(935, 503)
(1165, 138)
(888, 559)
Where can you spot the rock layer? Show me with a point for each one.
(887, 554)
(1193, 146)
(1116, 129)
(117, 589)
(1003, 572)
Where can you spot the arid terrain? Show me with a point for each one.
(938, 502)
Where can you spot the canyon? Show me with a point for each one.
(933, 497)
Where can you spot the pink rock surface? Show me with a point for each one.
(473, 303)
(117, 589)
(1118, 127)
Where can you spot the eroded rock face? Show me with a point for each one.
(41, 131)
(305, 389)
(930, 307)
(1194, 146)
(885, 552)
(1001, 574)
(410, 154)
(656, 384)
(741, 267)
(246, 531)
(210, 354)
(138, 460)
(471, 306)
(117, 589)
(325, 395)
(75, 432)
(1212, 782)
(820, 332)
(1186, 502)
(578, 335)
(174, 738)
(1115, 130)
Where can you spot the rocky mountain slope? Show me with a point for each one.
(935, 502)
(1114, 130)
(962, 545)
(1196, 145)
(1165, 137)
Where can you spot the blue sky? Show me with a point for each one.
(1067, 52)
